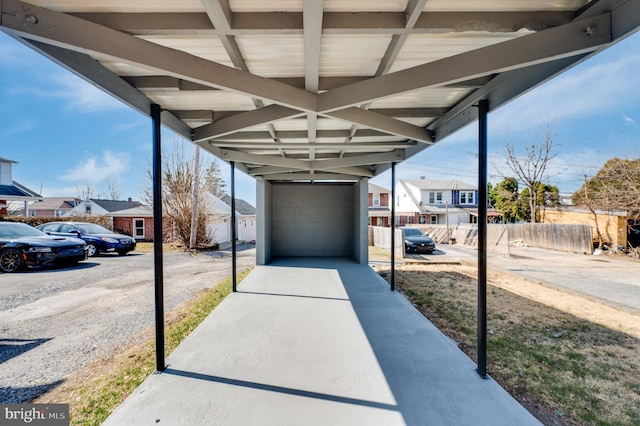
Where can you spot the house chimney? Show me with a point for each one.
(129, 199)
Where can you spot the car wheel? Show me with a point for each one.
(91, 250)
(11, 260)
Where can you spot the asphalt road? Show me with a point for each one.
(611, 279)
(55, 321)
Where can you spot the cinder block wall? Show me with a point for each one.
(312, 220)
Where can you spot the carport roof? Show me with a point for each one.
(311, 89)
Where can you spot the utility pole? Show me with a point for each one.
(193, 237)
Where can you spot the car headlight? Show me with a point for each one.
(409, 243)
(110, 240)
(40, 250)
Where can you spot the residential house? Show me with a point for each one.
(99, 207)
(11, 190)
(219, 224)
(422, 201)
(379, 207)
(138, 222)
(53, 206)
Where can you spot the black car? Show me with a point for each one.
(98, 238)
(23, 246)
(416, 242)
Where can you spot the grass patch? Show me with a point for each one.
(93, 399)
(379, 253)
(564, 369)
(146, 247)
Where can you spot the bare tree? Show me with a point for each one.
(529, 164)
(178, 185)
(112, 191)
(588, 202)
(615, 188)
(84, 191)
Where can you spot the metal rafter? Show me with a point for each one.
(556, 43)
(32, 22)
(412, 13)
(220, 14)
(312, 23)
(249, 23)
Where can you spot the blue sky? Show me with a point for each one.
(64, 133)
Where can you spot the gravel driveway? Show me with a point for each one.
(55, 321)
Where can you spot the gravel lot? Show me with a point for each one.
(55, 321)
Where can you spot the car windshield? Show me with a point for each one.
(17, 230)
(92, 228)
(412, 232)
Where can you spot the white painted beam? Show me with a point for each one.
(382, 123)
(373, 146)
(309, 176)
(244, 120)
(359, 160)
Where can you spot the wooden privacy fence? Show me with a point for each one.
(571, 238)
(497, 237)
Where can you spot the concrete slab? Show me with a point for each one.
(318, 342)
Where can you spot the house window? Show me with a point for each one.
(466, 197)
(435, 198)
(434, 219)
(376, 200)
(87, 208)
(138, 229)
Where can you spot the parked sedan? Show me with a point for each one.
(416, 242)
(23, 246)
(98, 238)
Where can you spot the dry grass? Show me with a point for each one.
(564, 368)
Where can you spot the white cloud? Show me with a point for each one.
(93, 170)
(82, 96)
(19, 127)
(628, 120)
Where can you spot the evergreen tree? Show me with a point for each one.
(213, 180)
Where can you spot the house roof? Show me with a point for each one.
(115, 205)
(318, 90)
(18, 192)
(242, 206)
(439, 184)
(4, 160)
(55, 203)
(375, 189)
(140, 211)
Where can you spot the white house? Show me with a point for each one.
(219, 224)
(422, 201)
(98, 207)
(11, 190)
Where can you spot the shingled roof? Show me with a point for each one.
(115, 205)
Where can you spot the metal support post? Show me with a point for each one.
(393, 226)
(234, 278)
(157, 236)
(483, 110)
